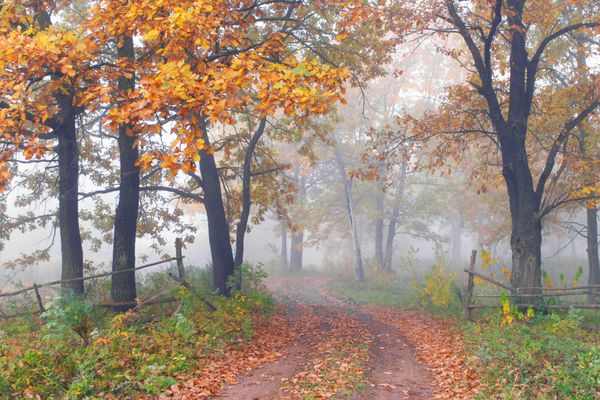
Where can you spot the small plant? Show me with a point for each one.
(439, 292)
(248, 277)
(70, 314)
(510, 312)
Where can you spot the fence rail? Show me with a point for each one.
(84, 278)
(179, 278)
(540, 292)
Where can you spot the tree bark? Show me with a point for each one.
(218, 228)
(592, 251)
(68, 202)
(68, 178)
(359, 272)
(242, 224)
(526, 234)
(297, 245)
(379, 224)
(123, 286)
(511, 127)
(591, 209)
(391, 234)
(389, 244)
(297, 250)
(284, 252)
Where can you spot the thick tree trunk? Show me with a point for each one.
(284, 253)
(218, 228)
(68, 180)
(68, 202)
(379, 224)
(526, 235)
(297, 245)
(592, 251)
(123, 287)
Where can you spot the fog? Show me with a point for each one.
(442, 211)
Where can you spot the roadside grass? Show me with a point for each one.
(382, 289)
(76, 350)
(546, 356)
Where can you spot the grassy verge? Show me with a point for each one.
(76, 350)
(547, 357)
(541, 357)
(383, 290)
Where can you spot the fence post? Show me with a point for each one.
(470, 285)
(178, 254)
(39, 298)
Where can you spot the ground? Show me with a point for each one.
(335, 349)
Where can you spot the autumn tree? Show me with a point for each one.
(203, 64)
(48, 78)
(507, 49)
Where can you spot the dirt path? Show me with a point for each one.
(341, 352)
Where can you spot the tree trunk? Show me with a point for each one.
(526, 235)
(379, 205)
(592, 251)
(68, 202)
(297, 245)
(359, 273)
(389, 245)
(246, 195)
(123, 287)
(284, 253)
(297, 250)
(591, 209)
(218, 228)
(68, 179)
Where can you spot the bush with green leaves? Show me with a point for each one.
(440, 291)
(71, 314)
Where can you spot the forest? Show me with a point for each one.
(299, 199)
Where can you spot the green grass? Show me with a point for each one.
(548, 357)
(380, 290)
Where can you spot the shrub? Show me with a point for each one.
(439, 291)
(70, 314)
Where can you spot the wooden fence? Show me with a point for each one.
(179, 278)
(522, 294)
